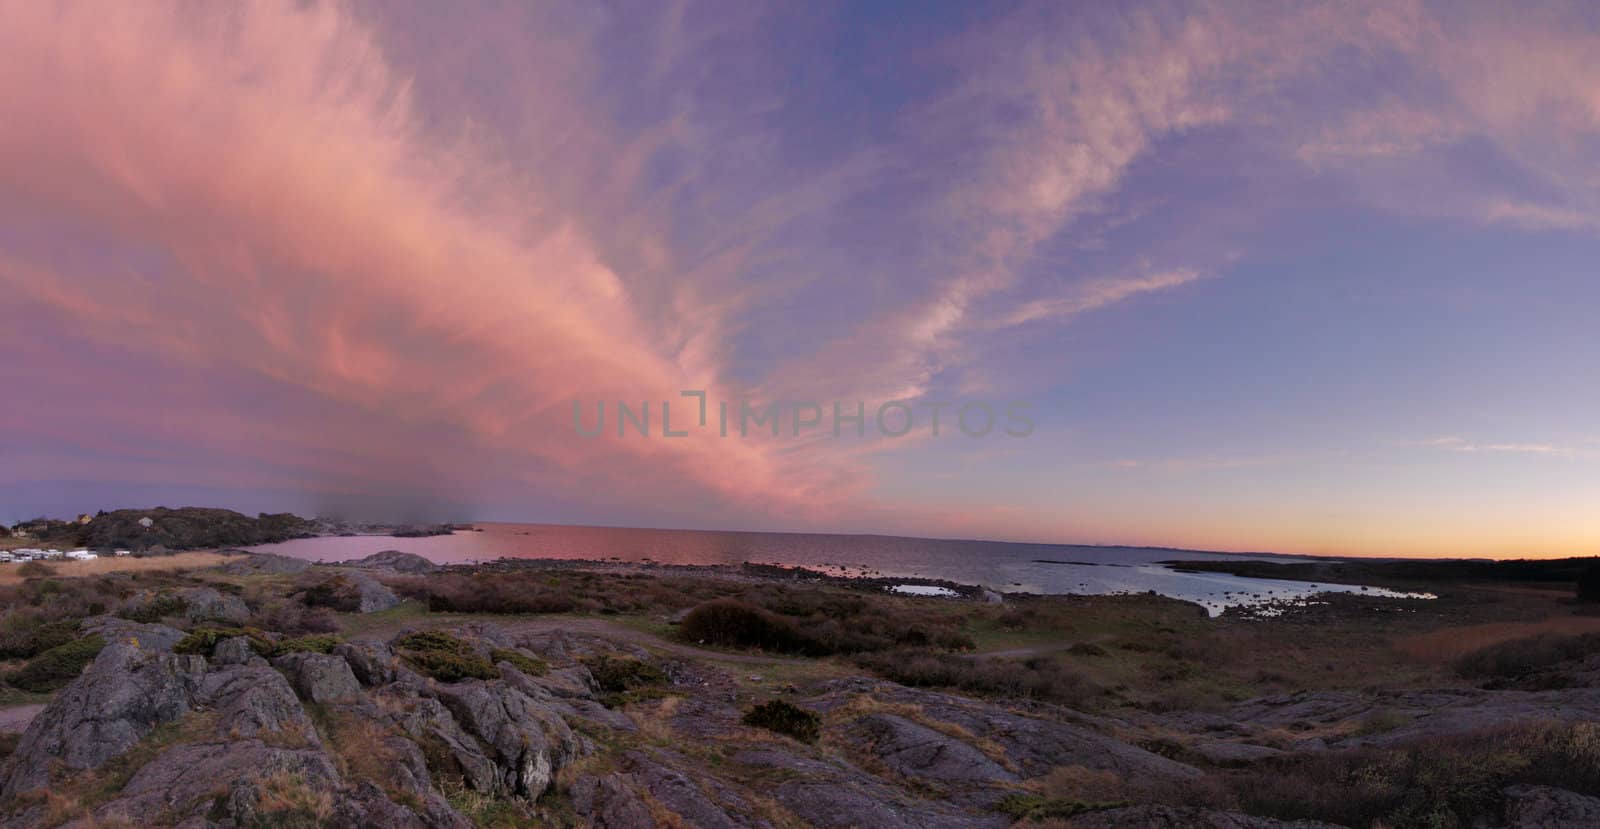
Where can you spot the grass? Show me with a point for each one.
(112, 564)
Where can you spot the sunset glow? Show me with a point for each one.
(1312, 277)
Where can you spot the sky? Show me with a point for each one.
(1313, 277)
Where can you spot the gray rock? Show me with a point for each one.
(674, 791)
(235, 650)
(610, 802)
(530, 741)
(371, 662)
(254, 700)
(1543, 807)
(917, 752)
(426, 719)
(209, 605)
(125, 693)
(1168, 817)
(372, 594)
(319, 677)
(186, 779)
(148, 636)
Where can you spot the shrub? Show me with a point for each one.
(732, 623)
(54, 668)
(1036, 678)
(617, 674)
(24, 635)
(1433, 782)
(784, 718)
(1519, 657)
(315, 643)
(334, 593)
(203, 641)
(1589, 583)
(35, 570)
(157, 608)
(1022, 806)
(443, 657)
(532, 666)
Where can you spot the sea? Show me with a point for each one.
(998, 565)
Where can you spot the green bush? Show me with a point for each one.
(787, 719)
(24, 635)
(527, 664)
(1520, 657)
(203, 641)
(618, 674)
(732, 623)
(54, 668)
(443, 657)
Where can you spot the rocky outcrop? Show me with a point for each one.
(265, 564)
(1543, 807)
(205, 604)
(319, 677)
(122, 696)
(917, 752)
(1168, 817)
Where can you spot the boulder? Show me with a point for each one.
(265, 564)
(610, 802)
(208, 605)
(1543, 807)
(319, 677)
(373, 595)
(234, 650)
(530, 741)
(371, 662)
(254, 700)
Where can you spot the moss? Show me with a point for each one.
(53, 669)
(786, 719)
(313, 643)
(532, 666)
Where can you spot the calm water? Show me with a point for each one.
(1034, 568)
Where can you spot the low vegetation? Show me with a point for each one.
(1520, 658)
(530, 665)
(785, 718)
(443, 657)
(54, 668)
(1439, 782)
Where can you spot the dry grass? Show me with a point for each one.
(1446, 645)
(126, 564)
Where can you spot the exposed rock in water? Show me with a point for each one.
(395, 561)
(265, 564)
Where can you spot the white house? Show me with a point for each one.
(81, 555)
(124, 552)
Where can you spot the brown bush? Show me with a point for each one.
(1036, 678)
